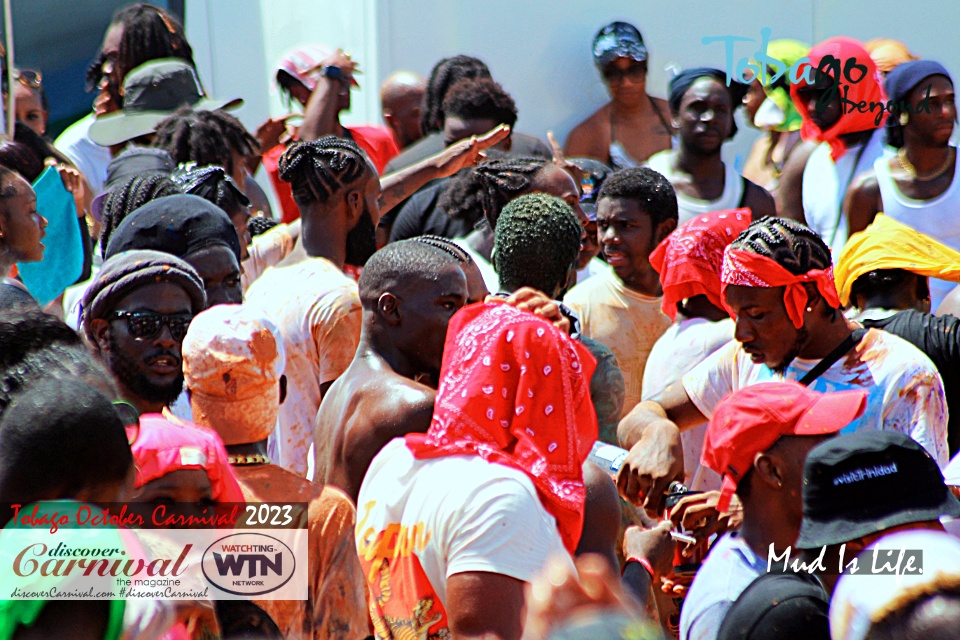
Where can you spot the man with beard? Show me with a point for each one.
(408, 291)
(135, 315)
(314, 304)
(777, 282)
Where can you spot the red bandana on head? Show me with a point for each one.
(689, 260)
(516, 391)
(867, 89)
(748, 269)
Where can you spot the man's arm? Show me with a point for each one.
(790, 191)
(862, 201)
(651, 432)
(397, 187)
(321, 115)
(487, 605)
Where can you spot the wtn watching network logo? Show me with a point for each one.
(248, 564)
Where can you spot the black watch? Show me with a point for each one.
(334, 73)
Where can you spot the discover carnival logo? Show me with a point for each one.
(248, 564)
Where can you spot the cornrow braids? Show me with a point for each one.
(793, 246)
(212, 184)
(149, 33)
(446, 245)
(317, 170)
(130, 195)
(503, 179)
(443, 76)
(189, 136)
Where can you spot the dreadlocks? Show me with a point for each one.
(501, 180)
(536, 243)
(796, 248)
(130, 195)
(204, 137)
(317, 170)
(444, 75)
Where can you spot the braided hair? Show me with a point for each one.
(204, 137)
(446, 245)
(317, 170)
(486, 188)
(130, 195)
(793, 246)
(258, 225)
(444, 75)
(214, 185)
(149, 33)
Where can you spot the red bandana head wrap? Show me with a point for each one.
(867, 89)
(514, 390)
(748, 269)
(689, 259)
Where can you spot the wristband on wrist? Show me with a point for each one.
(643, 563)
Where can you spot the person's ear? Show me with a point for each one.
(100, 329)
(283, 388)
(664, 229)
(766, 467)
(354, 203)
(388, 306)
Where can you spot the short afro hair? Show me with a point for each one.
(480, 99)
(649, 189)
(397, 265)
(536, 243)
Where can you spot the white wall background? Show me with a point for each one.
(539, 50)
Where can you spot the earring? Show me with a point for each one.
(809, 309)
(904, 119)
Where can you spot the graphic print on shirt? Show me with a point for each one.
(403, 605)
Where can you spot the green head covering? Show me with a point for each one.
(788, 52)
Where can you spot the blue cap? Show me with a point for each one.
(618, 40)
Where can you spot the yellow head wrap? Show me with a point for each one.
(788, 52)
(888, 54)
(888, 244)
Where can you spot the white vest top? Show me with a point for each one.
(731, 198)
(938, 217)
(825, 185)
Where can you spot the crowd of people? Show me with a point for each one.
(607, 389)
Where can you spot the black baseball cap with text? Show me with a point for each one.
(867, 482)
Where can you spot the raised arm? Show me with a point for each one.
(397, 187)
(320, 116)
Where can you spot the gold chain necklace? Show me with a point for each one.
(253, 458)
(912, 170)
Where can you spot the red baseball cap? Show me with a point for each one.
(751, 420)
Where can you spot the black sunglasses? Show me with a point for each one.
(144, 325)
(635, 73)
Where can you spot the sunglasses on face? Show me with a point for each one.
(634, 73)
(144, 325)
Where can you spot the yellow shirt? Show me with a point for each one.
(626, 322)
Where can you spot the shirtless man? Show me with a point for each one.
(408, 292)
(633, 125)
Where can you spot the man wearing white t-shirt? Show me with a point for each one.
(451, 524)
(778, 283)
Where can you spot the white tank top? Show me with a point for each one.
(731, 198)
(938, 217)
(825, 185)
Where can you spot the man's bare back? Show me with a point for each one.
(367, 407)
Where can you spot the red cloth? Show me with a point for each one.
(749, 421)
(689, 260)
(868, 89)
(377, 142)
(748, 269)
(164, 444)
(515, 390)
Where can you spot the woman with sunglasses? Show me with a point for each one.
(21, 235)
(633, 125)
(30, 100)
